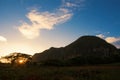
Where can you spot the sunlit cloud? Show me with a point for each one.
(100, 36)
(109, 39)
(113, 40)
(46, 20)
(3, 39)
(43, 20)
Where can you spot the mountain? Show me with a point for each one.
(84, 47)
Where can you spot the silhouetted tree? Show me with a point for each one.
(14, 58)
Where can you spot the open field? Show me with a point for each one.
(60, 73)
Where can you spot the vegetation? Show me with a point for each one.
(17, 58)
(105, 72)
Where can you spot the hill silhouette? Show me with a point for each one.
(87, 49)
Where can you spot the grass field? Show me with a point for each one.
(105, 72)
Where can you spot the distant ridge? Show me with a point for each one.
(85, 46)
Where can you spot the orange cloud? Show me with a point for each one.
(112, 39)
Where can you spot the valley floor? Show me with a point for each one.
(102, 72)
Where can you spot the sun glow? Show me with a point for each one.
(18, 47)
(21, 61)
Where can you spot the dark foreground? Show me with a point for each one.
(60, 73)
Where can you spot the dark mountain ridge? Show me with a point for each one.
(85, 46)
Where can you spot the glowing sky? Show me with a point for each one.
(31, 26)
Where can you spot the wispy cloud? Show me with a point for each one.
(43, 20)
(73, 3)
(100, 35)
(46, 20)
(110, 39)
(68, 4)
(3, 39)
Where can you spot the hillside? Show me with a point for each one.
(87, 47)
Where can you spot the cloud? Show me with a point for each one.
(43, 20)
(46, 20)
(109, 39)
(100, 36)
(3, 39)
(68, 4)
(112, 39)
(72, 3)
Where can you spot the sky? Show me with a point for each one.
(32, 26)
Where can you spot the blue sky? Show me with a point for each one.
(31, 26)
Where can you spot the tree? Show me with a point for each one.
(18, 58)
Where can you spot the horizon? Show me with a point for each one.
(56, 47)
(32, 26)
